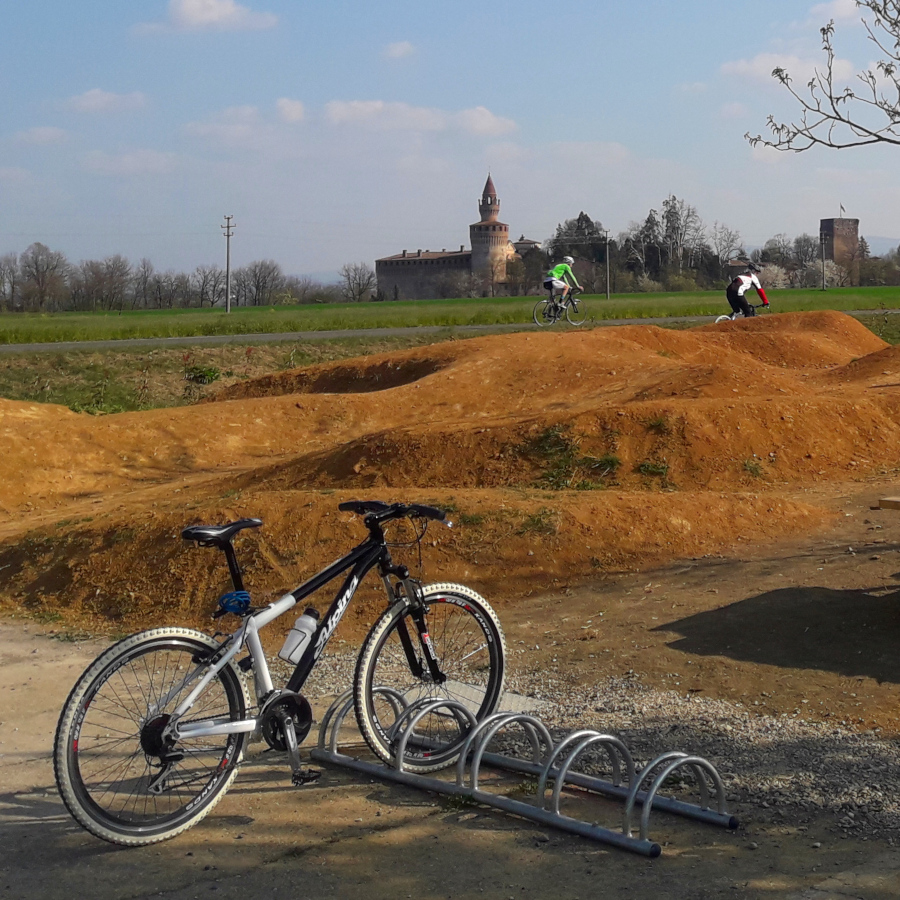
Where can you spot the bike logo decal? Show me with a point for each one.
(331, 624)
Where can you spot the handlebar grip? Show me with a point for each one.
(428, 512)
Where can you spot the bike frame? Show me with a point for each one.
(361, 560)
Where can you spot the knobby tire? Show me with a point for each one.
(469, 645)
(104, 771)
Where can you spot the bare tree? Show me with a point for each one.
(264, 279)
(10, 283)
(726, 242)
(831, 116)
(357, 281)
(207, 282)
(44, 277)
(142, 285)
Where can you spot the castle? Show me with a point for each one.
(427, 274)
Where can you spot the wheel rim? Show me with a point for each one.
(467, 655)
(116, 751)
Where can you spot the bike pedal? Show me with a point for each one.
(305, 776)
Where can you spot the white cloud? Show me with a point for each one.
(399, 50)
(835, 9)
(482, 121)
(768, 155)
(210, 15)
(135, 162)
(396, 116)
(733, 111)
(385, 116)
(46, 134)
(98, 101)
(290, 110)
(235, 125)
(760, 67)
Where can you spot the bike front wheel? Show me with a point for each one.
(117, 773)
(724, 319)
(392, 673)
(576, 311)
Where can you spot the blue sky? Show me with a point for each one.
(344, 131)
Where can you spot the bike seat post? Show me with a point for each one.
(237, 578)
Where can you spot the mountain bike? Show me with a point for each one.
(739, 315)
(152, 734)
(549, 310)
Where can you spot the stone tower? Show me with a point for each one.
(842, 243)
(490, 238)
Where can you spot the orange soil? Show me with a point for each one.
(715, 429)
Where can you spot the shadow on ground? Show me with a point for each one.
(853, 633)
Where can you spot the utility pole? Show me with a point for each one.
(607, 264)
(227, 228)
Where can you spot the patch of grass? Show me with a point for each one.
(116, 380)
(454, 803)
(658, 424)
(653, 468)
(753, 467)
(541, 522)
(202, 374)
(564, 465)
(473, 520)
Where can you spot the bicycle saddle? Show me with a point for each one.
(217, 535)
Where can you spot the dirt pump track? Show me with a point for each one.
(686, 508)
(701, 441)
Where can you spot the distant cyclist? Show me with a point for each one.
(741, 284)
(561, 279)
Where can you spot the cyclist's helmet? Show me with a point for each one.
(753, 267)
(568, 261)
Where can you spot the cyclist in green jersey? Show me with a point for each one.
(561, 279)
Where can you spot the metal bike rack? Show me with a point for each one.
(544, 764)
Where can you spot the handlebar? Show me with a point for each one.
(385, 512)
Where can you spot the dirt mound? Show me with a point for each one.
(374, 373)
(124, 571)
(602, 428)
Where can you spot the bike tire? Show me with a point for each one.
(723, 319)
(103, 771)
(468, 642)
(542, 313)
(576, 311)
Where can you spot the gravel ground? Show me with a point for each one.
(788, 767)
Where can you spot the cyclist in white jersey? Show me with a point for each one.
(741, 284)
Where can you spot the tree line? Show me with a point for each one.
(43, 280)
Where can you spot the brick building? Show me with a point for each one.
(426, 274)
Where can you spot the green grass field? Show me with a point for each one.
(32, 328)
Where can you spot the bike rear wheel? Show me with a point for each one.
(468, 643)
(116, 773)
(544, 312)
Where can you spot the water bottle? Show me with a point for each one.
(298, 637)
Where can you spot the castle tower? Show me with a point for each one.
(490, 238)
(841, 237)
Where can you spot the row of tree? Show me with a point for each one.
(43, 280)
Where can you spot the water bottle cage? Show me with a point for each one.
(237, 602)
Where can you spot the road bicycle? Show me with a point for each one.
(549, 310)
(739, 315)
(153, 732)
